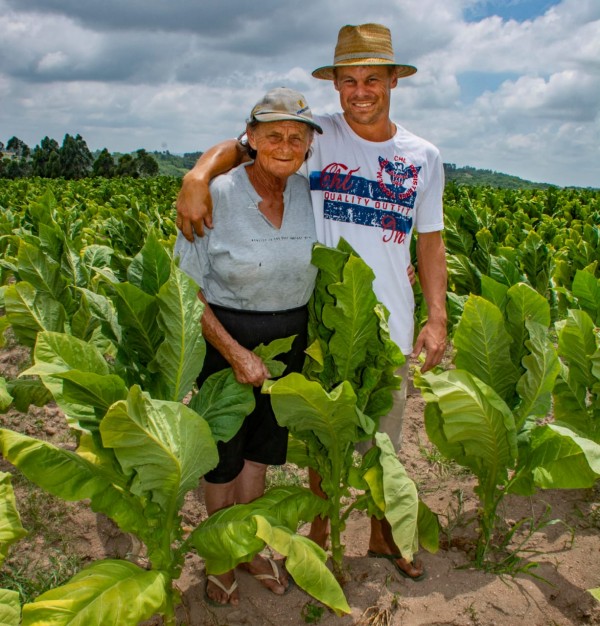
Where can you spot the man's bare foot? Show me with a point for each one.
(265, 570)
(221, 590)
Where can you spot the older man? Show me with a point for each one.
(373, 183)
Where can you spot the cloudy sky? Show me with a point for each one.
(507, 85)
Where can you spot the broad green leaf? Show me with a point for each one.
(275, 348)
(83, 322)
(56, 354)
(180, 356)
(98, 390)
(290, 506)
(71, 477)
(586, 288)
(103, 309)
(577, 342)
(495, 292)
(229, 536)
(106, 592)
(138, 317)
(269, 352)
(297, 453)
(401, 499)
(10, 608)
(482, 346)
(352, 318)
(541, 369)
(329, 261)
(11, 529)
(524, 303)
(504, 271)
(30, 312)
(429, 528)
(476, 423)
(5, 398)
(463, 276)
(536, 261)
(557, 458)
(596, 593)
(97, 256)
(41, 271)
(165, 446)
(302, 405)
(305, 561)
(150, 268)
(223, 403)
(570, 402)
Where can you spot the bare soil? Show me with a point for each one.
(453, 594)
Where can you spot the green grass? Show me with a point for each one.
(30, 579)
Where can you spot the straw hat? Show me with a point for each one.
(365, 44)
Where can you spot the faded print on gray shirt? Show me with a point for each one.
(245, 262)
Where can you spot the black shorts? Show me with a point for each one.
(260, 437)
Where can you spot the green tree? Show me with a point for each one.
(18, 147)
(75, 158)
(127, 166)
(146, 164)
(45, 159)
(104, 165)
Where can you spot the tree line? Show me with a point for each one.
(72, 160)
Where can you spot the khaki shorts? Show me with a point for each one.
(392, 422)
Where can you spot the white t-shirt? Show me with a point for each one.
(245, 262)
(373, 194)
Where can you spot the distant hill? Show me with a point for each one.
(472, 176)
(177, 165)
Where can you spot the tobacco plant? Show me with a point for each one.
(492, 413)
(345, 387)
(139, 449)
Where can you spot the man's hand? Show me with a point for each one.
(432, 339)
(412, 275)
(194, 204)
(194, 207)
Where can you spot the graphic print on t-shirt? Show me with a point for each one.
(386, 202)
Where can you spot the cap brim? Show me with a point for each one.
(326, 72)
(282, 117)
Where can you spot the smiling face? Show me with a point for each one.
(365, 94)
(280, 146)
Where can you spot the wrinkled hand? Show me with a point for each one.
(249, 368)
(432, 339)
(194, 208)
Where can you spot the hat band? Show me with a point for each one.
(363, 55)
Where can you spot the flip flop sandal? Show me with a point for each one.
(392, 558)
(274, 576)
(215, 581)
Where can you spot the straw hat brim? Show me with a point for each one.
(326, 72)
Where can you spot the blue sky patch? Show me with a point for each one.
(518, 10)
(473, 84)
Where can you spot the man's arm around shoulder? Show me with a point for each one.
(194, 204)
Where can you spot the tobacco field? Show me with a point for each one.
(105, 331)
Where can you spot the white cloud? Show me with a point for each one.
(185, 74)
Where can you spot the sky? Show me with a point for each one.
(511, 86)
